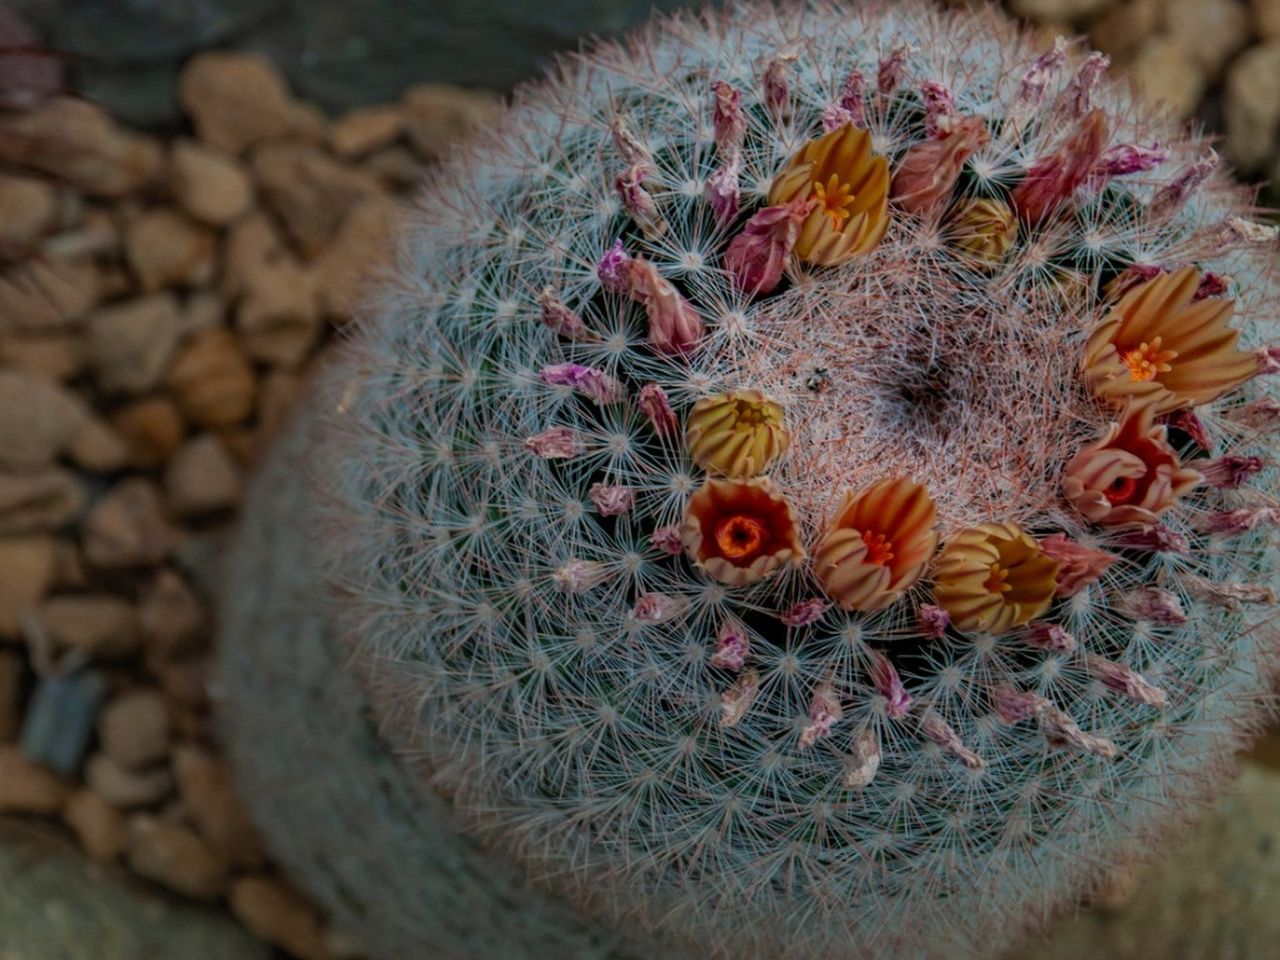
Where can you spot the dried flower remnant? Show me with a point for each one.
(1171, 197)
(1064, 733)
(674, 325)
(653, 403)
(730, 126)
(723, 191)
(757, 257)
(614, 269)
(611, 500)
(1126, 158)
(1012, 705)
(560, 318)
(1189, 422)
(1053, 180)
(825, 712)
(578, 576)
(927, 175)
(1121, 679)
(805, 612)
(850, 183)
(557, 443)
(596, 385)
(890, 70)
(1230, 472)
(1243, 519)
(738, 434)
(937, 730)
(1080, 92)
(737, 700)
(1158, 345)
(1049, 637)
(733, 646)
(985, 230)
(739, 531)
(863, 762)
(1231, 596)
(656, 608)
(1268, 359)
(884, 677)
(1078, 565)
(638, 202)
(1156, 605)
(1156, 538)
(776, 86)
(933, 622)
(669, 540)
(850, 108)
(993, 577)
(633, 152)
(939, 109)
(1130, 476)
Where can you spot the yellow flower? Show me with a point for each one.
(1159, 344)
(740, 531)
(877, 546)
(993, 577)
(736, 434)
(984, 230)
(850, 186)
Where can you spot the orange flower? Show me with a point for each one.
(736, 434)
(851, 186)
(1161, 345)
(740, 531)
(993, 577)
(1129, 476)
(877, 545)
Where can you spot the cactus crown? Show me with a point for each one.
(693, 676)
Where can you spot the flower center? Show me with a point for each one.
(997, 580)
(1121, 490)
(879, 548)
(834, 198)
(1147, 361)
(739, 536)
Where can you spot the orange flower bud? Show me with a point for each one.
(994, 577)
(984, 230)
(736, 434)
(740, 531)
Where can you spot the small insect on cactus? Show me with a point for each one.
(809, 492)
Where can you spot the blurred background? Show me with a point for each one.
(191, 192)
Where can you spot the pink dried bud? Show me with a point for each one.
(558, 443)
(824, 713)
(1231, 596)
(1118, 677)
(656, 608)
(1078, 565)
(674, 326)
(1080, 92)
(723, 191)
(940, 732)
(1189, 422)
(1012, 705)
(804, 613)
(1268, 361)
(928, 173)
(1262, 414)
(560, 318)
(1237, 232)
(1156, 538)
(596, 385)
(732, 646)
(939, 108)
(633, 152)
(1064, 733)
(638, 202)
(1042, 70)
(1155, 604)
(653, 403)
(757, 256)
(863, 762)
(1127, 158)
(891, 69)
(611, 500)
(850, 107)
(737, 700)
(933, 622)
(578, 576)
(1130, 277)
(1230, 472)
(668, 540)
(884, 677)
(776, 86)
(1243, 519)
(1172, 196)
(730, 126)
(1048, 636)
(614, 269)
(1211, 285)
(1053, 180)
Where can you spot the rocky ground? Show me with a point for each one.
(161, 299)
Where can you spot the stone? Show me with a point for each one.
(1211, 31)
(234, 99)
(364, 130)
(38, 418)
(43, 293)
(252, 243)
(127, 789)
(127, 527)
(203, 310)
(279, 916)
(39, 503)
(437, 116)
(152, 429)
(99, 624)
(307, 123)
(76, 141)
(1118, 30)
(29, 209)
(309, 190)
(186, 682)
(11, 670)
(97, 236)
(98, 826)
(29, 566)
(362, 244)
(56, 355)
(26, 787)
(97, 447)
(1059, 10)
(133, 728)
(173, 856)
(207, 791)
(129, 344)
(1266, 18)
(202, 478)
(1253, 106)
(167, 249)
(60, 716)
(172, 617)
(276, 398)
(277, 319)
(212, 186)
(212, 380)
(1164, 73)
(397, 167)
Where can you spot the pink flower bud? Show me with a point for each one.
(940, 732)
(1118, 677)
(1064, 733)
(1155, 604)
(737, 700)
(824, 713)
(933, 622)
(804, 613)
(1268, 361)
(1156, 538)
(1049, 637)
(1230, 472)
(890, 71)
(674, 326)
(851, 105)
(1189, 422)
(1211, 285)
(776, 87)
(578, 576)
(723, 192)
(757, 256)
(1078, 565)
(611, 500)
(668, 539)
(595, 385)
(939, 108)
(653, 403)
(614, 269)
(638, 202)
(1126, 158)
(863, 762)
(928, 173)
(897, 703)
(1014, 706)
(1053, 180)
(732, 646)
(1173, 195)
(1243, 519)
(1080, 92)
(560, 318)
(656, 608)
(558, 443)
(730, 127)
(1042, 70)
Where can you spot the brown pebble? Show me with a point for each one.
(133, 728)
(98, 826)
(29, 565)
(202, 478)
(129, 344)
(234, 99)
(279, 916)
(26, 787)
(38, 503)
(279, 392)
(172, 618)
(127, 527)
(309, 190)
(38, 418)
(29, 209)
(437, 116)
(212, 380)
(47, 293)
(206, 787)
(125, 789)
(152, 429)
(185, 682)
(278, 320)
(361, 246)
(365, 129)
(58, 356)
(173, 856)
(10, 695)
(212, 186)
(167, 249)
(252, 243)
(100, 624)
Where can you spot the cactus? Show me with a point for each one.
(805, 490)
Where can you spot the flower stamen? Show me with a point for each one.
(879, 548)
(833, 199)
(739, 536)
(1147, 360)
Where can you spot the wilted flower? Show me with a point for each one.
(805, 612)
(884, 677)
(1188, 421)
(825, 712)
(668, 540)
(1243, 519)
(890, 69)
(576, 576)
(993, 577)
(776, 86)
(1231, 596)
(1012, 705)
(1130, 476)
(633, 152)
(1156, 538)
(877, 545)
(863, 762)
(595, 385)
(851, 186)
(757, 256)
(1063, 732)
(723, 191)
(940, 732)
(939, 108)
(558, 443)
(1080, 92)
(737, 700)
(614, 269)
(560, 318)
(638, 202)
(1118, 677)
(851, 107)
(1127, 158)
(611, 500)
(1053, 180)
(1172, 196)
(1155, 604)
(928, 173)
(1049, 636)
(933, 622)
(674, 326)
(732, 646)
(730, 127)
(653, 403)
(656, 608)
(985, 230)
(1230, 472)
(740, 531)
(737, 434)
(1078, 565)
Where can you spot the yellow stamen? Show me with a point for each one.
(834, 198)
(1148, 360)
(997, 582)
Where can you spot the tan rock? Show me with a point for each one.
(362, 246)
(1211, 31)
(172, 855)
(127, 527)
(278, 319)
(38, 418)
(29, 567)
(1164, 73)
(69, 567)
(1253, 106)
(212, 186)
(39, 503)
(129, 344)
(1266, 18)
(279, 916)
(26, 787)
(234, 99)
(10, 695)
(96, 236)
(363, 130)
(57, 356)
(98, 623)
(207, 790)
(29, 208)
(1119, 30)
(275, 400)
(97, 447)
(74, 140)
(127, 789)
(204, 309)
(202, 478)
(252, 243)
(172, 617)
(398, 168)
(212, 380)
(186, 682)
(437, 116)
(309, 190)
(152, 429)
(167, 249)
(98, 826)
(43, 293)
(307, 123)
(133, 728)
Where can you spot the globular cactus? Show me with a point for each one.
(806, 490)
